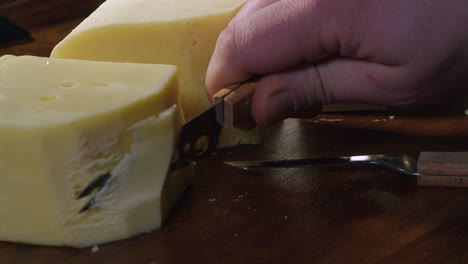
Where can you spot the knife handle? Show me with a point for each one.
(236, 105)
(447, 169)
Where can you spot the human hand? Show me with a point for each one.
(313, 52)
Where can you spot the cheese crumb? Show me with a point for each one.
(95, 249)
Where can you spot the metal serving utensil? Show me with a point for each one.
(447, 169)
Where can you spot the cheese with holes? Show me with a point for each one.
(182, 33)
(65, 122)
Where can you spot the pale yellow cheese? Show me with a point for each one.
(182, 33)
(63, 123)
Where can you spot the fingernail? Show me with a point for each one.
(279, 107)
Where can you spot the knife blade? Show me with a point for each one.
(199, 137)
(11, 33)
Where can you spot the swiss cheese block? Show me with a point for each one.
(63, 123)
(182, 33)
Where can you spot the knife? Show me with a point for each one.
(445, 169)
(231, 108)
(11, 33)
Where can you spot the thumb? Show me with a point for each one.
(302, 91)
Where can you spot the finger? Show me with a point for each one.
(249, 8)
(252, 6)
(305, 89)
(298, 30)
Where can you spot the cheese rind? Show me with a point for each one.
(50, 152)
(182, 33)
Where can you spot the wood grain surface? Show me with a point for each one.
(335, 214)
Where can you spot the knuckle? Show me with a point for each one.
(318, 91)
(308, 88)
(228, 40)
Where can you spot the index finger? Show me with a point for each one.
(252, 6)
(274, 38)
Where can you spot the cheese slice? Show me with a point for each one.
(65, 122)
(182, 33)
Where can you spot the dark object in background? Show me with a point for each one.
(10, 33)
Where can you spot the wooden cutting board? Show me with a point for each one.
(304, 215)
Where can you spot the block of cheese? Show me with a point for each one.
(63, 123)
(182, 33)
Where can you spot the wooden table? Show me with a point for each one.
(346, 214)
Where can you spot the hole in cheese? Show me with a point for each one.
(201, 145)
(68, 84)
(49, 98)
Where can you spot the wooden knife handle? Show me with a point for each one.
(447, 169)
(237, 104)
